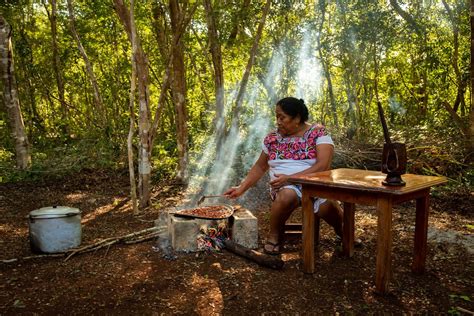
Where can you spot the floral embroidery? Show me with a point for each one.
(295, 148)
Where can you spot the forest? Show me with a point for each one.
(151, 102)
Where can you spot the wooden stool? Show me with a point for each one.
(296, 229)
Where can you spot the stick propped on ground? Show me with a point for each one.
(258, 257)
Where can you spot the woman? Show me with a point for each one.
(295, 148)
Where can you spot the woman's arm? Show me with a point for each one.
(324, 153)
(255, 173)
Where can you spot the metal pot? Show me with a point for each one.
(55, 229)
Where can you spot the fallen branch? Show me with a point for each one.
(62, 254)
(258, 257)
(109, 241)
(132, 238)
(144, 238)
(464, 310)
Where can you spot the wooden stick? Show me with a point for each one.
(34, 257)
(258, 257)
(132, 238)
(99, 244)
(144, 238)
(464, 310)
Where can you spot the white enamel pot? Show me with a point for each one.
(55, 229)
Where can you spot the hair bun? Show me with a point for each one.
(302, 101)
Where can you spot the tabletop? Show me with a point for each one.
(367, 180)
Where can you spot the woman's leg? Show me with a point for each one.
(331, 212)
(286, 201)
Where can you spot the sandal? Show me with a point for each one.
(275, 248)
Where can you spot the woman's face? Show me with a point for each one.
(286, 124)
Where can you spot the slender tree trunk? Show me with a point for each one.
(57, 63)
(216, 54)
(423, 96)
(179, 90)
(160, 29)
(236, 22)
(167, 74)
(144, 148)
(245, 77)
(10, 97)
(97, 97)
(470, 139)
(26, 65)
(325, 64)
(131, 131)
(466, 130)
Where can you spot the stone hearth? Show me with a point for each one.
(183, 232)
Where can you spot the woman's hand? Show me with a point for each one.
(234, 192)
(279, 181)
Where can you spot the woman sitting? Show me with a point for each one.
(295, 148)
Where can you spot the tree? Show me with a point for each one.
(97, 97)
(325, 64)
(10, 97)
(131, 131)
(470, 135)
(57, 62)
(178, 83)
(144, 148)
(216, 53)
(248, 68)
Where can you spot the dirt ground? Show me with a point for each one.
(136, 279)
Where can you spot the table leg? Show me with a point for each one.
(348, 229)
(421, 232)
(317, 228)
(308, 233)
(384, 244)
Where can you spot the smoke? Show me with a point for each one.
(213, 173)
(395, 105)
(308, 80)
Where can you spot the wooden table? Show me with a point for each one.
(353, 186)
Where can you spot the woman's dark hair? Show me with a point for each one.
(294, 107)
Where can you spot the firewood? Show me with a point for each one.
(258, 257)
(132, 238)
(109, 241)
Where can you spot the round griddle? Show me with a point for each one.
(207, 211)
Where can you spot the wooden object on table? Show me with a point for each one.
(353, 186)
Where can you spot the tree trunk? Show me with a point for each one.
(57, 63)
(27, 65)
(10, 97)
(236, 22)
(466, 130)
(97, 97)
(179, 89)
(160, 29)
(470, 139)
(216, 53)
(245, 77)
(144, 150)
(325, 64)
(407, 17)
(131, 131)
(422, 81)
(166, 76)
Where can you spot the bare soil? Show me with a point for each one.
(136, 279)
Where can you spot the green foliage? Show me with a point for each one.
(58, 159)
(364, 45)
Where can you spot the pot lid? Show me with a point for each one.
(55, 211)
